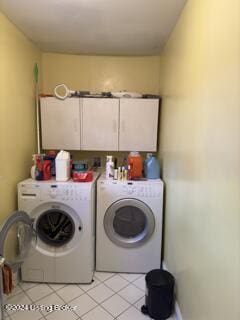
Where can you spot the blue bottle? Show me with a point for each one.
(151, 167)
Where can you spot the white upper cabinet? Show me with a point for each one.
(138, 124)
(60, 122)
(100, 117)
(105, 124)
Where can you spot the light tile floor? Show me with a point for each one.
(111, 296)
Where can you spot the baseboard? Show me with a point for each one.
(178, 315)
(177, 312)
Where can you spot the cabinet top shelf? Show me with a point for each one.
(103, 95)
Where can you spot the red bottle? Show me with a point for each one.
(46, 169)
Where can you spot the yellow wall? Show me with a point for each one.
(200, 149)
(17, 111)
(100, 73)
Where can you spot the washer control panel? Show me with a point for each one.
(48, 191)
(141, 190)
(66, 192)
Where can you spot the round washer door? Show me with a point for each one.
(58, 228)
(129, 223)
(55, 226)
(15, 237)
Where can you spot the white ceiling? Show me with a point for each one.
(121, 27)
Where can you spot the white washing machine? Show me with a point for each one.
(129, 225)
(59, 229)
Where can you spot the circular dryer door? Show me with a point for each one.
(15, 237)
(129, 223)
(55, 227)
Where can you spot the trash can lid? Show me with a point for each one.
(159, 277)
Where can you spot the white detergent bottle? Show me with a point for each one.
(109, 168)
(62, 163)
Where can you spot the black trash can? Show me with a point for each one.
(159, 299)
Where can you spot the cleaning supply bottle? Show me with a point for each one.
(115, 174)
(136, 165)
(119, 173)
(109, 168)
(151, 167)
(62, 163)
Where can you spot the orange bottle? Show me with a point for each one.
(135, 165)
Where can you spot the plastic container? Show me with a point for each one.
(159, 298)
(151, 167)
(80, 165)
(62, 163)
(83, 176)
(135, 165)
(109, 168)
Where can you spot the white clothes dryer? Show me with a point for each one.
(129, 225)
(55, 231)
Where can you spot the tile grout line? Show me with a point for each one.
(138, 287)
(116, 293)
(53, 291)
(119, 289)
(107, 278)
(84, 292)
(67, 303)
(34, 302)
(23, 291)
(100, 303)
(36, 284)
(130, 304)
(142, 274)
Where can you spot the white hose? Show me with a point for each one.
(68, 92)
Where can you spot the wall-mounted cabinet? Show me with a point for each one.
(60, 123)
(138, 124)
(99, 124)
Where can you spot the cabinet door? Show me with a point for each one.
(100, 124)
(138, 124)
(60, 121)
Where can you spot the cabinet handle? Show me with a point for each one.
(114, 126)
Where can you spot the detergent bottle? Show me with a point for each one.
(62, 163)
(135, 165)
(151, 167)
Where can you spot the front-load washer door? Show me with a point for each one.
(129, 223)
(55, 227)
(58, 228)
(16, 234)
